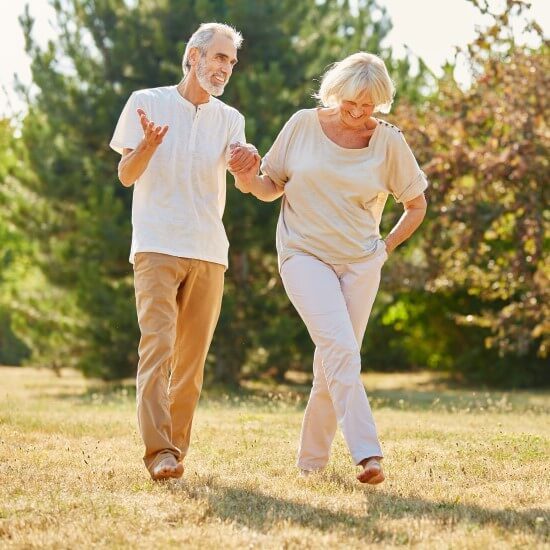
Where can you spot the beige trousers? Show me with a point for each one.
(335, 302)
(178, 303)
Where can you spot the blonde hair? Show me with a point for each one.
(355, 75)
(202, 37)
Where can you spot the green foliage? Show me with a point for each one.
(483, 267)
(14, 251)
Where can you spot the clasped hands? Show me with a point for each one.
(244, 162)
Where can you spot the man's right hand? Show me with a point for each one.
(135, 161)
(152, 134)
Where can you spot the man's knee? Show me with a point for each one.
(157, 344)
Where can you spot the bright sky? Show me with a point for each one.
(430, 28)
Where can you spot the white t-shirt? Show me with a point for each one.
(333, 196)
(178, 201)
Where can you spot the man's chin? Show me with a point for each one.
(210, 88)
(216, 91)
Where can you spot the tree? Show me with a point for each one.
(14, 250)
(485, 152)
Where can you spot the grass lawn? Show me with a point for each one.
(464, 470)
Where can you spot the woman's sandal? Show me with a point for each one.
(372, 472)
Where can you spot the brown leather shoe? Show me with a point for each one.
(167, 468)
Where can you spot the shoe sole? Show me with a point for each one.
(374, 480)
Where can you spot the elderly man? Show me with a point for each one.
(176, 142)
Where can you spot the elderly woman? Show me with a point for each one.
(334, 166)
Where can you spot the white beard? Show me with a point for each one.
(204, 81)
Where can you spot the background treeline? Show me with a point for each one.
(468, 294)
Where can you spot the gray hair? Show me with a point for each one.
(202, 37)
(355, 75)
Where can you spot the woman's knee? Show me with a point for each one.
(342, 363)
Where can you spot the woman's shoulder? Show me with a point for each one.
(302, 115)
(389, 130)
(391, 137)
(299, 120)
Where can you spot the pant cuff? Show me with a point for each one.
(366, 453)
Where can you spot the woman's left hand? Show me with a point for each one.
(415, 210)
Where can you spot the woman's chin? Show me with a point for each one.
(354, 123)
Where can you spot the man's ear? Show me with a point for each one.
(193, 57)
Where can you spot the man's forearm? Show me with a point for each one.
(262, 187)
(133, 164)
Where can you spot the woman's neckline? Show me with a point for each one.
(334, 144)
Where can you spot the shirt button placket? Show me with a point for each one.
(193, 137)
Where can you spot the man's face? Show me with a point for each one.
(215, 67)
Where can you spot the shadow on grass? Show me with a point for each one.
(107, 393)
(261, 512)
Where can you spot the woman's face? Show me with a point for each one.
(355, 112)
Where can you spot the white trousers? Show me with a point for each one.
(335, 302)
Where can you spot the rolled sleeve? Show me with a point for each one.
(274, 164)
(270, 167)
(405, 180)
(415, 188)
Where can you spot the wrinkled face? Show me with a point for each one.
(214, 68)
(355, 112)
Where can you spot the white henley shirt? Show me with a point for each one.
(178, 201)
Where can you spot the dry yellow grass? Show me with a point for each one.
(464, 470)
